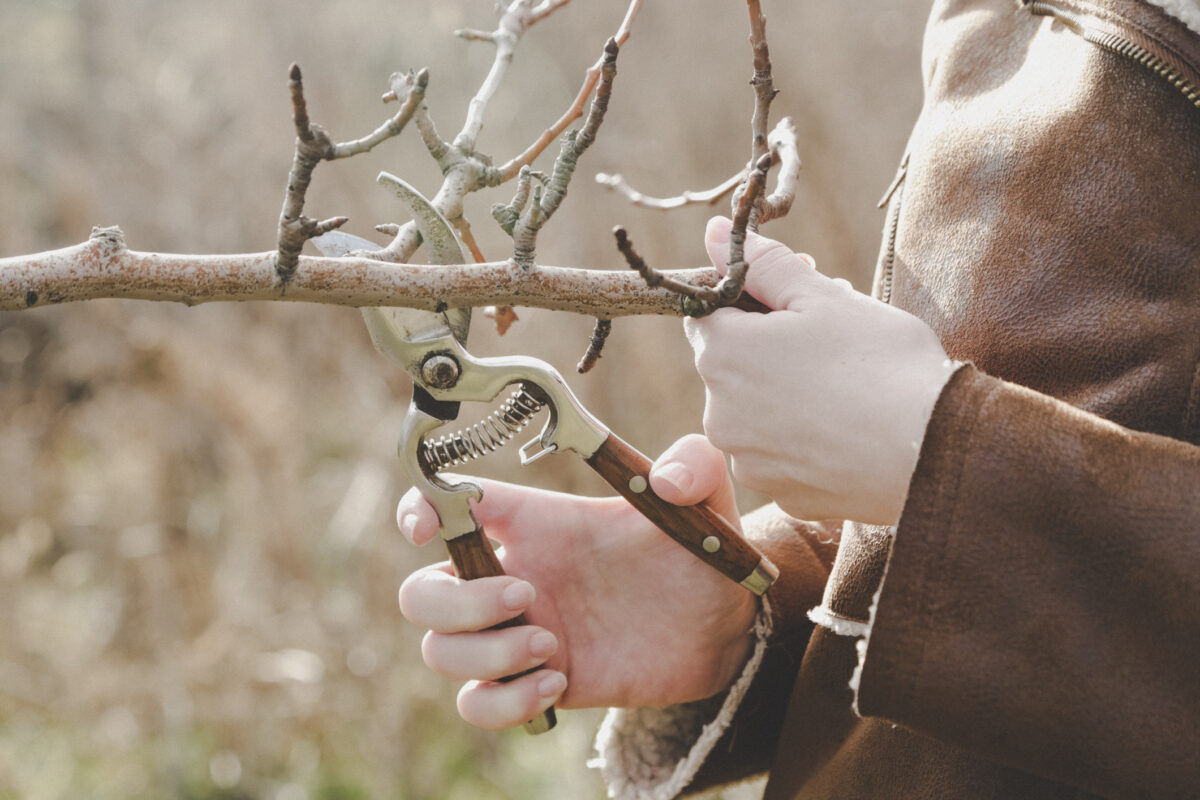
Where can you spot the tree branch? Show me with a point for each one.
(103, 267)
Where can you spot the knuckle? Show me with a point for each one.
(719, 434)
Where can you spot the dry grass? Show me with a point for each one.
(197, 553)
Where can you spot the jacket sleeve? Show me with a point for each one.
(1041, 603)
(696, 747)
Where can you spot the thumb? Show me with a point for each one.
(691, 471)
(776, 276)
(507, 512)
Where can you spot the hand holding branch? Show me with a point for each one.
(822, 403)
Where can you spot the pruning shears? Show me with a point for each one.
(430, 345)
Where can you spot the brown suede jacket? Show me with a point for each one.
(1031, 629)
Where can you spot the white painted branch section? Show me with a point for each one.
(104, 267)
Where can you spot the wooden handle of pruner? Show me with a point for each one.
(699, 528)
(473, 557)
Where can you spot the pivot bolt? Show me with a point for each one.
(440, 371)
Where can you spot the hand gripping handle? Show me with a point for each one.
(699, 528)
(473, 557)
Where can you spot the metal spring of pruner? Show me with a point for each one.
(486, 436)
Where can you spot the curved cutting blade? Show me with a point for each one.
(408, 324)
(439, 236)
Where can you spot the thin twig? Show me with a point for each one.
(618, 184)
(731, 285)
(786, 151)
(595, 345)
(416, 95)
(503, 316)
(545, 9)
(764, 85)
(507, 215)
(695, 296)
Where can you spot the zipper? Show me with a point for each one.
(1114, 43)
(893, 196)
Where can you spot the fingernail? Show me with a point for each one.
(552, 685)
(518, 596)
(542, 645)
(675, 474)
(408, 526)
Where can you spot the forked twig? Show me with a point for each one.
(313, 145)
(750, 206)
(703, 300)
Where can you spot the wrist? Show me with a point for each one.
(924, 387)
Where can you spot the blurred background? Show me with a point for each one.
(198, 558)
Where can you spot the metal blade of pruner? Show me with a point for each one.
(409, 324)
(410, 336)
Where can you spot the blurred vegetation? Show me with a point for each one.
(198, 562)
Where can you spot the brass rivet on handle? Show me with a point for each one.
(637, 484)
(711, 544)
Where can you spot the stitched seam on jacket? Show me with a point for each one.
(952, 523)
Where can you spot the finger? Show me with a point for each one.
(691, 471)
(441, 602)
(776, 276)
(496, 706)
(720, 345)
(417, 520)
(488, 655)
(504, 511)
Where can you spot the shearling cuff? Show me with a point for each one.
(654, 753)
